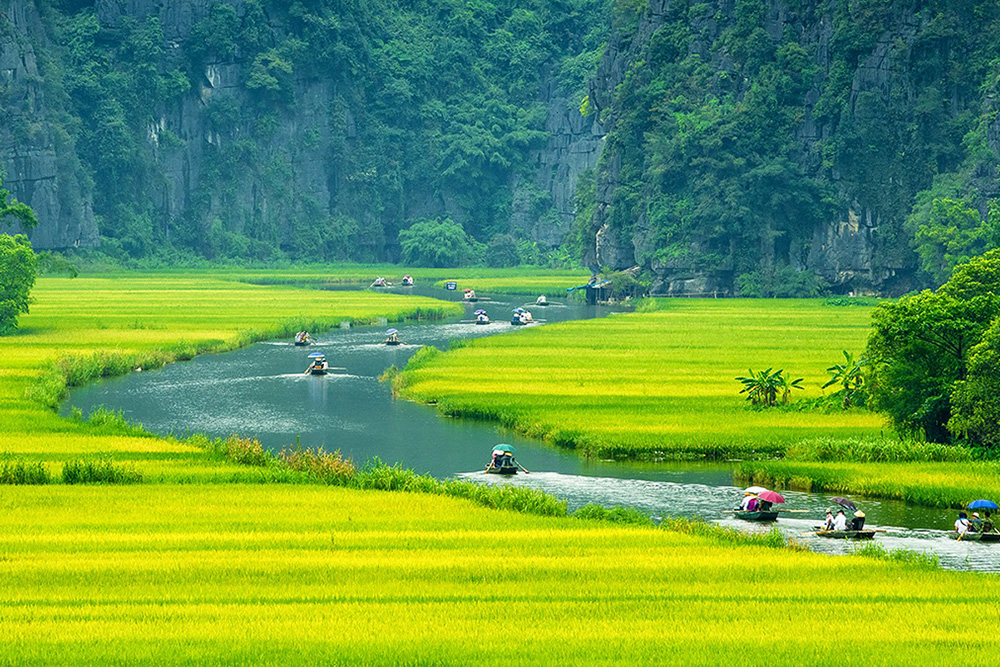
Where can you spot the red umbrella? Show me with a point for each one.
(771, 497)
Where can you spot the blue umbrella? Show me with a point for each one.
(983, 505)
(391, 331)
(519, 310)
(480, 311)
(316, 355)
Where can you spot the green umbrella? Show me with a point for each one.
(504, 448)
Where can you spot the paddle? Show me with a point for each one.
(526, 472)
(796, 511)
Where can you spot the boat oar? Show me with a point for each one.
(796, 511)
(526, 472)
(811, 532)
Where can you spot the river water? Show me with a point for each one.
(261, 391)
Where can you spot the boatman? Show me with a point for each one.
(858, 522)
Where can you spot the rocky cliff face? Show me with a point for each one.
(864, 68)
(38, 162)
(215, 161)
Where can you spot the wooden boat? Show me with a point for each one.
(517, 322)
(302, 343)
(318, 371)
(393, 342)
(978, 537)
(501, 470)
(846, 534)
(756, 516)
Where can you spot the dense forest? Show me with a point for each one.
(742, 147)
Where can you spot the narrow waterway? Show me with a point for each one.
(261, 391)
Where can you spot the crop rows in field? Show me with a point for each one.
(654, 384)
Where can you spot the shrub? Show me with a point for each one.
(330, 468)
(19, 472)
(100, 471)
(438, 243)
(629, 515)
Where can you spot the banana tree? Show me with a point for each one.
(850, 375)
(763, 387)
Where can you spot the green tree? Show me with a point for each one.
(946, 235)
(502, 251)
(976, 400)
(17, 277)
(763, 387)
(438, 243)
(12, 211)
(920, 346)
(849, 375)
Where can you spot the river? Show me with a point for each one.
(261, 391)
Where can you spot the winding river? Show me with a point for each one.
(261, 391)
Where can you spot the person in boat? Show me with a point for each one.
(470, 294)
(840, 521)
(303, 337)
(483, 318)
(495, 462)
(407, 280)
(753, 505)
(745, 503)
(828, 524)
(975, 523)
(526, 317)
(858, 522)
(962, 524)
(542, 301)
(318, 364)
(988, 522)
(379, 282)
(764, 506)
(394, 339)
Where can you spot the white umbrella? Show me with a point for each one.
(755, 489)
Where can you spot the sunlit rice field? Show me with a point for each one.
(654, 383)
(131, 320)
(308, 575)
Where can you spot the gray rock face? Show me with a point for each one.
(298, 171)
(38, 164)
(846, 251)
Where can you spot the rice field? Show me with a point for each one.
(84, 328)
(208, 562)
(654, 384)
(308, 575)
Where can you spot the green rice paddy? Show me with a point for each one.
(310, 575)
(209, 562)
(654, 384)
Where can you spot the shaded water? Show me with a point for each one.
(261, 391)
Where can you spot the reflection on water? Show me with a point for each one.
(261, 391)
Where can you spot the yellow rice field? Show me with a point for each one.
(654, 384)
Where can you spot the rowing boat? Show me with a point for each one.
(846, 534)
(501, 470)
(756, 516)
(979, 537)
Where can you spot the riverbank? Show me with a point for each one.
(653, 385)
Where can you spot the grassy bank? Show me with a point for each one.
(82, 329)
(222, 573)
(935, 484)
(653, 384)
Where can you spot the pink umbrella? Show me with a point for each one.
(771, 497)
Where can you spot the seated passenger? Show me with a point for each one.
(976, 524)
(840, 521)
(962, 524)
(754, 504)
(988, 522)
(765, 506)
(828, 524)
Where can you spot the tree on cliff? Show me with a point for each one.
(17, 263)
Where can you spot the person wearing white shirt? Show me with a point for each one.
(962, 524)
(828, 524)
(840, 521)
